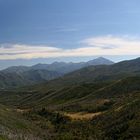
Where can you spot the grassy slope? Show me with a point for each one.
(122, 121)
(118, 102)
(119, 122)
(60, 96)
(14, 126)
(81, 95)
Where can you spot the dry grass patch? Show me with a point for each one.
(82, 115)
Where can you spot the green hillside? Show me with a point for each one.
(118, 104)
(100, 102)
(13, 126)
(24, 78)
(82, 97)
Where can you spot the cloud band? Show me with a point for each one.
(106, 45)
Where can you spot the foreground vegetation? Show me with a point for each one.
(110, 112)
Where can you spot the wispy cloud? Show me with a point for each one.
(102, 45)
(125, 45)
(61, 29)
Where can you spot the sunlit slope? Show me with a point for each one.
(84, 97)
(13, 126)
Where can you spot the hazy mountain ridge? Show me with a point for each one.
(23, 75)
(99, 73)
(64, 67)
(61, 67)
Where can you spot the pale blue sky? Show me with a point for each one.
(66, 24)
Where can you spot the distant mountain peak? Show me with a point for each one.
(100, 57)
(100, 61)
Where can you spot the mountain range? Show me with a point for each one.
(23, 75)
(98, 73)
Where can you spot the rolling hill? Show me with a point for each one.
(117, 103)
(24, 78)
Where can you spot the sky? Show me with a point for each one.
(44, 31)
